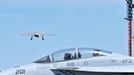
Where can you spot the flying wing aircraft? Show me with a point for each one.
(77, 61)
(37, 35)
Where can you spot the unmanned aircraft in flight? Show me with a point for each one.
(37, 35)
(77, 61)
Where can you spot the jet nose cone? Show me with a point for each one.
(7, 72)
(0, 72)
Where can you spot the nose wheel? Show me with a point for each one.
(42, 38)
(31, 38)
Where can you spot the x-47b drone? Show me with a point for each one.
(38, 35)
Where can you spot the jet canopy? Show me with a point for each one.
(72, 54)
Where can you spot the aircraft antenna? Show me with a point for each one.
(129, 18)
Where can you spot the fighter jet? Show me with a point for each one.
(37, 35)
(77, 61)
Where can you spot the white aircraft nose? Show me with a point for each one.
(1, 73)
(5, 73)
(8, 72)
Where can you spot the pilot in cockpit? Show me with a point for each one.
(69, 56)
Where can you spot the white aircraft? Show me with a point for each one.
(77, 61)
(38, 34)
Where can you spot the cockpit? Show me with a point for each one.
(73, 54)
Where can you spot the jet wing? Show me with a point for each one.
(121, 68)
(111, 70)
(115, 69)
